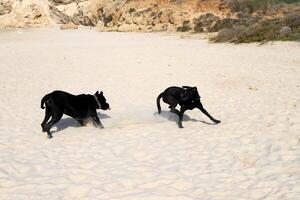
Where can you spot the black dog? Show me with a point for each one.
(187, 97)
(79, 107)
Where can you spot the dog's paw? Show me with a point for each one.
(44, 129)
(217, 121)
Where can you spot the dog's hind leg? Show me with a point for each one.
(47, 117)
(55, 118)
(182, 110)
(172, 105)
(171, 101)
(174, 110)
(207, 114)
(180, 115)
(80, 121)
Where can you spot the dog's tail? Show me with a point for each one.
(44, 99)
(158, 102)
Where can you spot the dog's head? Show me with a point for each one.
(190, 93)
(102, 101)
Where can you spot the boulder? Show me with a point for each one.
(68, 26)
(286, 31)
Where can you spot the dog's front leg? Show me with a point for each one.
(97, 120)
(200, 106)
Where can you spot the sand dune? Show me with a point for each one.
(254, 90)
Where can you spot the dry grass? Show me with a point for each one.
(263, 31)
(263, 6)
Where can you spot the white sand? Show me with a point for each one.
(255, 90)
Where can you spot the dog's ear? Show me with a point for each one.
(101, 93)
(196, 91)
(97, 92)
(186, 87)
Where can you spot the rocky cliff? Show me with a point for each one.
(109, 15)
(262, 19)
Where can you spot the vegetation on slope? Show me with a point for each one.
(280, 21)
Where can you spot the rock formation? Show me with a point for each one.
(130, 15)
(20, 13)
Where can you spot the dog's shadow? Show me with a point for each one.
(65, 123)
(174, 118)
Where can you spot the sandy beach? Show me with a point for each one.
(253, 89)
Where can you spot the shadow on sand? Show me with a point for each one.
(65, 123)
(174, 118)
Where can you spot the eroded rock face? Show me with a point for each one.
(117, 15)
(147, 16)
(114, 15)
(86, 13)
(59, 16)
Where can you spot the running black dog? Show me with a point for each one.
(80, 107)
(187, 97)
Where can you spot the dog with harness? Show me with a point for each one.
(187, 97)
